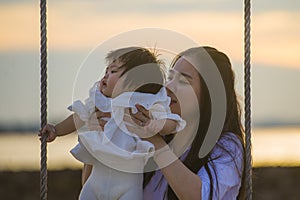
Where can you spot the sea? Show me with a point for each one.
(20, 151)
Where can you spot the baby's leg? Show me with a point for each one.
(87, 193)
(92, 188)
(86, 172)
(127, 186)
(134, 193)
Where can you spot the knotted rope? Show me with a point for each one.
(247, 65)
(43, 54)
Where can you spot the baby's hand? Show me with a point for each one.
(161, 126)
(155, 126)
(98, 120)
(151, 128)
(100, 84)
(50, 131)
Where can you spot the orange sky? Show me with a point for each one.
(275, 34)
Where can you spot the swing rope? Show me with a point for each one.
(43, 60)
(247, 87)
(247, 91)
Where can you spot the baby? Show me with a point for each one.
(133, 76)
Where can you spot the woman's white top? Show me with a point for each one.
(116, 147)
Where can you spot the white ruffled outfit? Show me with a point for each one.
(118, 156)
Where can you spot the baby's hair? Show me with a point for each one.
(144, 71)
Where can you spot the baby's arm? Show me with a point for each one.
(163, 126)
(166, 122)
(67, 126)
(169, 127)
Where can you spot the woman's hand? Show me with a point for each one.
(142, 117)
(142, 124)
(98, 120)
(138, 123)
(50, 131)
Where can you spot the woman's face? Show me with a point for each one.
(183, 86)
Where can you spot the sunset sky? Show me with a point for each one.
(76, 27)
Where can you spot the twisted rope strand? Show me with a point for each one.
(43, 54)
(247, 65)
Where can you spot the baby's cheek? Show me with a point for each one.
(100, 84)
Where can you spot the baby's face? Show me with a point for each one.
(111, 77)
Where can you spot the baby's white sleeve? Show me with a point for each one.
(159, 111)
(180, 122)
(81, 109)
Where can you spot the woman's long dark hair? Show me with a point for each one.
(232, 121)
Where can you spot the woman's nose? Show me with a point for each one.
(105, 76)
(171, 85)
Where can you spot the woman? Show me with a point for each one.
(218, 172)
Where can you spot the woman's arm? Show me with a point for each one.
(185, 183)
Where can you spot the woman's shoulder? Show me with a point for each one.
(229, 147)
(229, 138)
(226, 168)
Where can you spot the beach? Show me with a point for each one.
(269, 183)
(276, 165)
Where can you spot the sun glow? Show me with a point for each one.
(71, 27)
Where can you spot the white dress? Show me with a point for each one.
(118, 156)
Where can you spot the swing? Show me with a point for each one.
(247, 93)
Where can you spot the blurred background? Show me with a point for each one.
(77, 27)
